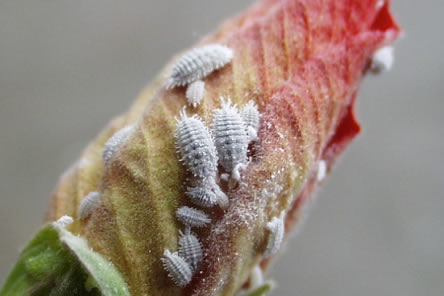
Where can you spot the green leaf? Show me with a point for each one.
(57, 263)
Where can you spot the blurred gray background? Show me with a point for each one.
(377, 228)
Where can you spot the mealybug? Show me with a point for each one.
(198, 63)
(195, 145)
(251, 117)
(382, 60)
(192, 217)
(231, 138)
(195, 93)
(276, 228)
(190, 248)
(322, 170)
(207, 194)
(113, 143)
(63, 221)
(178, 269)
(88, 205)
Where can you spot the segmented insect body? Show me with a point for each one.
(195, 93)
(277, 229)
(192, 217)
(251, 117)
(231, 138)
(207, 194)
(113, 143)
(88, 205)
(382, 60)
(198, 63)
(190, 249)
(178, 269)
(195, 145)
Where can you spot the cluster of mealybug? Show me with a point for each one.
(382, 60)
(251, 116)
(88, 205)
(195, 93)
(276, 227)
(198, 63)
(230, 135)
(113, 143)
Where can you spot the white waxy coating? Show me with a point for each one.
(190, 249)
(197, 63)
(251, 117)
(195, 93)
(178, 269)
(231, 138)
(192, 217)
(113, 144)
(382, 60)
(196, 147)
(276, 227)
(88, 205)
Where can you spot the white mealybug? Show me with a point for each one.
(198, 63)
(195, 145)
(190, 249)
(113, 143)
(276, 228)
(192, 217)
(63, 221)
(231, 139)
(382, 60)
(251, 117)
(195, 93)
(178, 269)
(322, 170)
(88, 205)
(207, 194)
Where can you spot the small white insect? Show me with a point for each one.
(192, 217)
(251, 117)
(277, 228)
(231, 138)
(195, 145)
(178, 269)
(382, 60)
(207, 194)
(322, 170)
(190, 249)
(198, 63)
(63, 221)
(113, 143)
(195, 93)
(88, 205)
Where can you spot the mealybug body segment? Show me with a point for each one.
(198, 63)
(195, 145)
(192, 217)
(231, 138)
(113, 143)
(88, 205)
(178, 269)
(276, 228)
(251, 117)
(207, 194)
(195, 93)
(382, 60)
(190, 249)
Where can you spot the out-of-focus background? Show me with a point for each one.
(377, 228)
